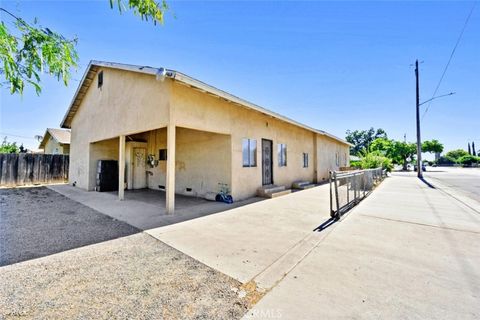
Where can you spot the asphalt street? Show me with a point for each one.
(463, 180)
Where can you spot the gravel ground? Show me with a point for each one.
(135, 277)
(35, 222)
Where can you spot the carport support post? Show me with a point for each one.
(170, 187)
(121, 167)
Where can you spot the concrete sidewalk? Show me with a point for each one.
(409, 251)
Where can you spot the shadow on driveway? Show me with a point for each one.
(36, 222)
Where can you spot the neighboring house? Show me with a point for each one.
(178, 134)
(55, 141)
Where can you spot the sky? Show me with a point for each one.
(335, 66)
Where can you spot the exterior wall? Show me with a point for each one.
(66, 149)
(53, 147)
(194, 109)
(102, 150)
(127, 103)
(327, 152)
(202, 161)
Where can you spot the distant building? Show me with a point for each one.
(55, 141)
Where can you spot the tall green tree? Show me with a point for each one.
(28, 50)
(469, 149)
(361, 139)
(403, 152)
(474, 152)
(381, 146)
(433, 146)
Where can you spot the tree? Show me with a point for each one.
(401, 152)
(433, 146)
(361, 139)
(456, 154)
(469, 150)
(28, 50)
(473, 149)
(8, 147)
(381, 145)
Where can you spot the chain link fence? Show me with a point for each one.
(347, 188)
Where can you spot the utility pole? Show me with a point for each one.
(419, 140)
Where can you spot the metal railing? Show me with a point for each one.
(347, 188)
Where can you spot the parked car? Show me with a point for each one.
(423, 168)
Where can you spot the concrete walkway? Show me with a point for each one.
(409, 251)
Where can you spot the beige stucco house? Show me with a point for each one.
(175, 133)
(56, 141)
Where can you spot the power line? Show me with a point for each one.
(451, 56)
(16, 136)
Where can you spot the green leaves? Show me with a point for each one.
(30, 50)
(432, 146)
(146, 9)
(33, 50)
(8, 147)
(361, 139)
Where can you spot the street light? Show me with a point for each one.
(443, 95)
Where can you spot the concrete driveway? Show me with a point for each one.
(260, 241)
(145, 209)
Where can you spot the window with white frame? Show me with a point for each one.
(249, 152)
(282, 155)
(337, 162)
(305, 160)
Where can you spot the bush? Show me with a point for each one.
(456, 154)
(445, 160)
(468, 160)
(371, 161)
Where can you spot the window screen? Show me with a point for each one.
(305, 160)
(282, 155)
(249, 152)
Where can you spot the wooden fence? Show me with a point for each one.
(18, 169)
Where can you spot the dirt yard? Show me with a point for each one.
(36, 222)
(131, 277)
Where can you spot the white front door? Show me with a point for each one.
(139, 168)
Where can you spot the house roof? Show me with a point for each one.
(62, 136)
(162, 73)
